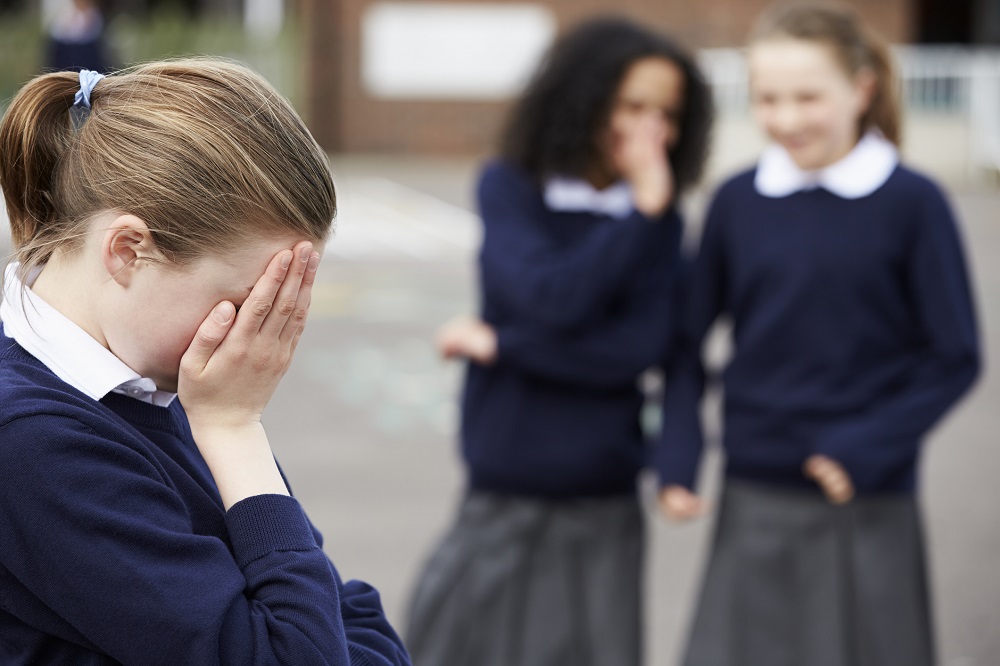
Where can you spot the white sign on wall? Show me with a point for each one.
(435, 50)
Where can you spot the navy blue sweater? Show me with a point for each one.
(853, 329)
(582, 304)
(115, 547)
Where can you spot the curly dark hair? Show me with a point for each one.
(554, 127)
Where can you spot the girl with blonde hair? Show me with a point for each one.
(167, 223)
(854, 332)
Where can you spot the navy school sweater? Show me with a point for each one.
(115, 547)
(853, 331)
(582, 304)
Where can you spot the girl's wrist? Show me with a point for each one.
(652, 194)
(218, 422)
(651, 204)
(240, 460)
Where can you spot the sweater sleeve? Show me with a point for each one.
(886, 436)
(105, 545)
(371, 640)
(537, 280)
(614, 351)
(678, 452)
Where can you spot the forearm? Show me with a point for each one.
(240, 460)
(888, 434)
(679, 449)
(610, 355)
(568, 288)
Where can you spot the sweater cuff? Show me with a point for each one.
(264, 524)
(678, 477)
(677, 466)
(869, 465)
(670, 215)
(506, 340)
(865, 477)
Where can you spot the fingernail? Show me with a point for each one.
(223, 312)
(286, 259)
(305, 253)
(313, 262)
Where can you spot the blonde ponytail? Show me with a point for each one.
(34, 137)
(204, 151)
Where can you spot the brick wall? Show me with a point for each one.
(344, 117)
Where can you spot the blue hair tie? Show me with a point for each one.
(80, 110)
(88, 79)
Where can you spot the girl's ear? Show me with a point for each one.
(865, 87)
(126, 241)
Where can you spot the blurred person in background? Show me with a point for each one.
(578, 271)
(854, 332)
(76, 37)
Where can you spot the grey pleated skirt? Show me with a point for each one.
(795, 581)
(527, 582)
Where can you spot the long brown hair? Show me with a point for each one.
(204, 151)
(854, 45)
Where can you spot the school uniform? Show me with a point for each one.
(116, 546)
(854, 332)
(543, 564)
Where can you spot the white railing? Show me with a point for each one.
(956, 81)
(726, 71)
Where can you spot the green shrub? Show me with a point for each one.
(22, 48)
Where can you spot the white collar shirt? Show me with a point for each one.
(67, 350)
(859, 173)
(577, 195)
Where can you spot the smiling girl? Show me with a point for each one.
(853, 325)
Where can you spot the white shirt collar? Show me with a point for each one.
(66, 349)
(859, 173)
(577, 195)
